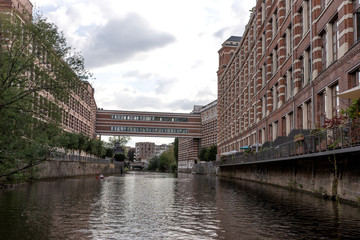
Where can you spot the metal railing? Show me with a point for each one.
(343, 136)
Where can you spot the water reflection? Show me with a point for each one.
(161, 206)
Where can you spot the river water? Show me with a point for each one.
(142, 205)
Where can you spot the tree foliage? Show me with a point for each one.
(38, 73)
(131, 154)
(208, 153)
(163, 163)
(176, 149)
(153, 163)
(122, 140)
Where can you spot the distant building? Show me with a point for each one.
(144, 151)
(159, 149)
(209, 125)
(189, 147)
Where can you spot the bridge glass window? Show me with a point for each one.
(143, 129)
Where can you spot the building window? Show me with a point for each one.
(306, 16)
(275, 130)
(283, 126)
(289, 43)
(357, 25)
(263, 44)
(289, 85)
(301, 74)
(308, 115)
(287, 6)
(307, 66)
(276, 96)
(274, 60)
(301, 22)
(270, 132)
(322, 108)
(335, 39)
(291, 121)
(263, 108)
(335, 100)
(263, 76)
(354, 78)
(274, 24)
(300, 117)
(323, 50)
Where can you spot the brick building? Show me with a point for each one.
(292, 61)
(189, 147)
(208, 125)
(144, 151)
(78, 111)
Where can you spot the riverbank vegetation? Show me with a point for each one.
(38, 73)
(208, 154)
(166, 162)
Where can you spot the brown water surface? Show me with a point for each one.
(161, 206)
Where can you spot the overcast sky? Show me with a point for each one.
(150, 55)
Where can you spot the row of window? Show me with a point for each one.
(148, 118)
(327, 97)
(147, 130)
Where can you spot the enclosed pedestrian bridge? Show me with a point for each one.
(148, 124)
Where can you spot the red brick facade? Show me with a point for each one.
(294, 57)
(144, 151)
(209, 125)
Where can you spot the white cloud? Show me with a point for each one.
(120, 39)
(157, 55)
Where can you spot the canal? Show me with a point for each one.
(142, 205)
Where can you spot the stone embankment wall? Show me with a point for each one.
(208, 168)
(320, 176)
(58, 168)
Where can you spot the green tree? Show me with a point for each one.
(97, 148)
(109, 152)
(176, 149)
(122, 140)
(211, 153)
(131, 154)
(166, 160)
(153, 163)
(202, 154)
(34, 61)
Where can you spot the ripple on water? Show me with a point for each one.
(159, 206)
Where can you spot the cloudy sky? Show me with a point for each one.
(158, 55)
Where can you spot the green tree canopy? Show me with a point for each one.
(122, 140)
(38, 73)
(131, 154)
(153, 163)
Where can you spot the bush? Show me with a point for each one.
(109, 153)
(173, 167)
(153, 163)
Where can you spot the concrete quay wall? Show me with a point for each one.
(319, 176)
(56, 168)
